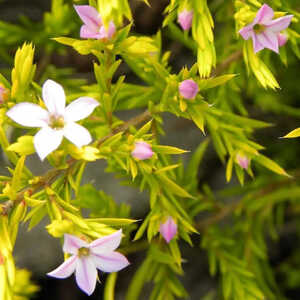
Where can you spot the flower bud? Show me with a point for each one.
(3, 94)
(282, 39)
(142, 151)
(168, 229)
(243, 161)
(188, 89)
(185, 19)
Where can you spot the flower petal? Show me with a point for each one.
(280, 23)
(65, 269)
(73, 243)
(54, 97)
(88, 33)
(265, 14)
(110, 262)
(46, 141)
(107, 243)
(28, 114)
(77, 134)
(107, 34)
(257, 46)
(80, 108)
(282, 39)
(86, 274)
(269, 40)
(168, 229)
(247, 31)
(89, 16)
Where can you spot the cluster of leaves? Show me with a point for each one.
(236, 250)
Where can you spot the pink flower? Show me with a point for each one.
(87, 258)
(142, 151)
(168, 229)
(188, 89)
(93, 27)
(57, 122)
(243, 161)
(264, 31)
(185, 19)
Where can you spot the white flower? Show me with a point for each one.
(58, 121)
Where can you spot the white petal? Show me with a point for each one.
(65, 269)
(28, 114)
(54, 97)
(86, 275)
(77, 134)
(107, 243)
(73, 243)
(46, 141)
(80, 108)
(110, 262)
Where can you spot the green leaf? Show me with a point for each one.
(167, 149)
(293, 134)
(213, 82)
(270, 164)
(23, 146)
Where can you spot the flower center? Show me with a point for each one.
(258, 28)
(83, 251)
(56, 122)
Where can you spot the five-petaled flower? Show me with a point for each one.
(87, 258)
(243, 161)
(188, 89)
(57, 122)
(142, 150)
(185, 19)
(168, 229)
(264, 31)
(93, 27)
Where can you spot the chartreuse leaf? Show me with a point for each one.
(270, 164)
(109, 288)
(167, 149)
(293, 134)
(23, 146)
(16, 180)
(209, 83)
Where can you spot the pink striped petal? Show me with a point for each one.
(280, 23)
(46, 141)
(80, 108)
(107, 243)
(86, 275)
(247, 31)
(77, 134)
(29, 114)
(65, 269)
(54, 97)
(90, 16)
(264, 14)
(88, 33)
(282, 39)
(168, 229)
(73, 243)
(269, 40)
(107, 34)
(110, 262)
(257, 46)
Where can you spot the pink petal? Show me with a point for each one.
(243, 161)
(142, 151)
(46, 141)
(257, 46)
(54, 97)
(110, 262)
(247, 31)
(86, 275)
(188, 89)
(77, 134)
(73, 243)
(264, 14)
(28, 114)
(65, 269)
(80, 108)
(282, 39)
(168, 229)
(90, 16)
(107, 243)
(269, 40)
(107, 34)
(280, 23)
(88, 33)
(185, 19)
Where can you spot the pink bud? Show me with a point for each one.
(168, 229)
(282, 39)
(142, 151)
(185, 19)
(243, 161)
(188, 89)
